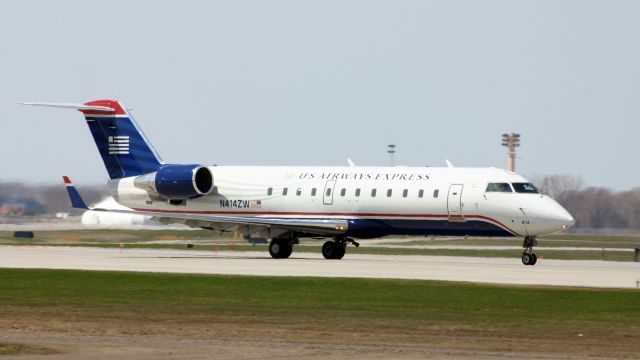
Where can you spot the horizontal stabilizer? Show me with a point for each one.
(72, 106)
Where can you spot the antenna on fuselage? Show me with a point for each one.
(449, 164)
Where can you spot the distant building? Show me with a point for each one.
(20, 207)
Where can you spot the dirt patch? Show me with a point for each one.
(78, 335)
(157, 347)
(7, 349)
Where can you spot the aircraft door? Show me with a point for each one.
(327, 196)
(454, 202)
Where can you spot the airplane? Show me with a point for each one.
(339, 204)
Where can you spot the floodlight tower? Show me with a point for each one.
(511, 141)
(391, 152)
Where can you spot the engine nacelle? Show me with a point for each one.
(177, 182)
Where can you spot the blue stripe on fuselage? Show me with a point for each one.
(372, 228)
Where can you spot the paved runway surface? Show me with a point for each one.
(483, 270)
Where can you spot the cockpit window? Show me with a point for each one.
(499, 187)
(525, 188)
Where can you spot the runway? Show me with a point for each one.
(601, 274)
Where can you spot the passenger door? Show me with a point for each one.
(454, 202)
(327, 195)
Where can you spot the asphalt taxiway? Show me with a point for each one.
(603, 274)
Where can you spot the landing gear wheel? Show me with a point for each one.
(328, 250)
(280, 249)
(340, 250)
(527, 259)
(333, 250)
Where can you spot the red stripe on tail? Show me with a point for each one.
(117, 108)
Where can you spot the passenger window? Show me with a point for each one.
(270, 191)
(284, 191)
(299, 192)
(389, 192)
(405, 192)
(420, 193)
(343, 192)
(313, 192)
(328, 192)
(358, 192)
(499, 187)
(373, 192)
(525, 188)
(436, 192)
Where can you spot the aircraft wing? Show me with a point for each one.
(226, 222)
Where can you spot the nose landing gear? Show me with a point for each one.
(528, 257)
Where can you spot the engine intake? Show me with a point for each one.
(177, 182)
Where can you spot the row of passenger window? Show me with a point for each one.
(357, 193)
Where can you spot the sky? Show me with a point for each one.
(317, 82)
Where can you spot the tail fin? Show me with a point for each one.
(74, 196)
(124, 148)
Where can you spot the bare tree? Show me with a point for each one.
(555, 185)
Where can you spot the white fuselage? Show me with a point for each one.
(376, 201)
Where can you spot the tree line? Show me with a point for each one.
(39, 199)
(593, 207)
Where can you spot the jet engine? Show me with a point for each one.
(177, 182)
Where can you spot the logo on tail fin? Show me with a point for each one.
(119, 145)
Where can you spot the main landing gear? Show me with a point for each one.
(280, 248)
(528, 257)
(335, 249)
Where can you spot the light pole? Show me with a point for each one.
(511, 141)
(391, 152)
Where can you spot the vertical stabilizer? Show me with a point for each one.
(122, 145)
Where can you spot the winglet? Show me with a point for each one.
(74, 196)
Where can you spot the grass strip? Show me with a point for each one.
(357, 301)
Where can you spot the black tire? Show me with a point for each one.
(527, 259)
(280, 249)
(534, 259)
(333, 250)
(328, 250)
(287, 250)
(340, 250)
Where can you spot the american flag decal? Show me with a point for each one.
(119, 145)
(256, 204)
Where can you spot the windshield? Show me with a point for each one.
(499, 187)
(525, 188)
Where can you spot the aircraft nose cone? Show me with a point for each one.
(550, 216)
(559, 216)
(564, 218)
